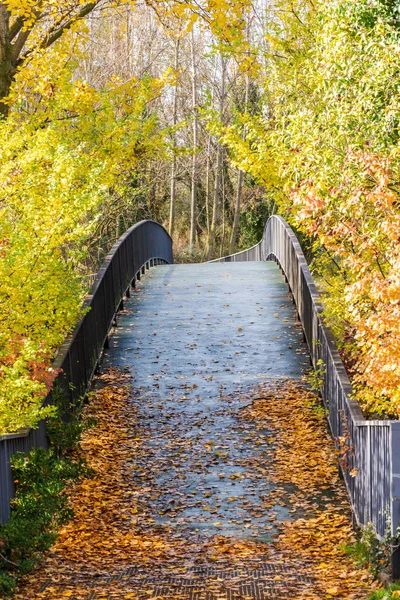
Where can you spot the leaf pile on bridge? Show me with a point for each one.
(115, 528)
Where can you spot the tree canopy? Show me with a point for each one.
(207, 117)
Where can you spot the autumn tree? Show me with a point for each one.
(31, 27)
(325, 146)
(87, 90)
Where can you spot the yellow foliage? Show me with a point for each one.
(326, 149)
(57, 168)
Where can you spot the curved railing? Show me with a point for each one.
(145, 244)
(370, 449)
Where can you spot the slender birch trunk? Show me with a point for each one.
(221, 251)
(173, 164)
(218, 169)
(208, 170)
(207, 185)
(239, 188)
(193, 200)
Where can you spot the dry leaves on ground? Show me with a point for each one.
(304, 455)
(115, 525)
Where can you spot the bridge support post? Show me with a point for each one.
(395, 561)
(143, 269)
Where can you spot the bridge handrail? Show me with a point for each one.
(371, 448)
(143, 245)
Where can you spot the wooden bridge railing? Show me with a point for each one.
(370, 449)
(145, 244)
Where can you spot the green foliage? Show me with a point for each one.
(386, 594)
(40, 505)
(60, 166)
(253, 217)
(64, 434)
(7, 583)
(315, 376)
(64, 428)
(38, 508)
(373, 554)
(326, 147)
(367, 550)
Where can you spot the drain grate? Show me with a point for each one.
(268, 582)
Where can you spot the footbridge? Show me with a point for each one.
(192, 334)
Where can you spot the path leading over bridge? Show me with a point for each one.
(196, 339)
(201, 505)
(200, 343)
(218, 326)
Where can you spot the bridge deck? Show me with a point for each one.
(234, 321)
(193, 508)
(196, 338)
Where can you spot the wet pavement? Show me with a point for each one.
(215, 477)
(196, 340)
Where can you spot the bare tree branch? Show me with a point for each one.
(55, 35)
(19, 44)
(16, 28)
(84, 11)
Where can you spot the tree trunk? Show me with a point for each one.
(13, 51)
(207, 198)
(215, 211)
(193, 200)
(208, 170)
(238, 200)
(218, 169)
(7, 70)
(221, 251)
(173, 165)
(235, 228)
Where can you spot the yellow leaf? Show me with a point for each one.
(333, 591)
